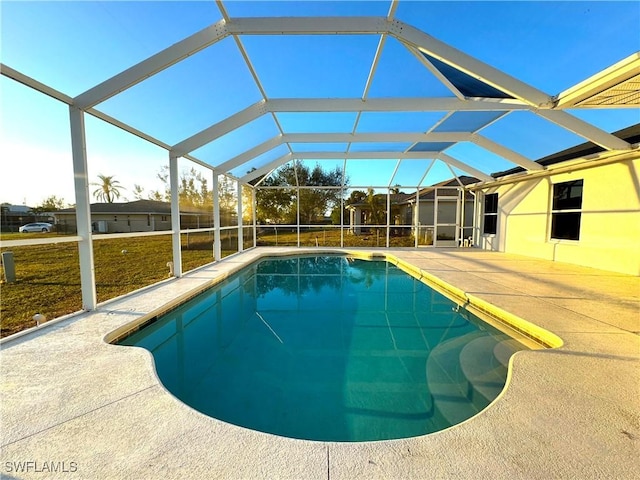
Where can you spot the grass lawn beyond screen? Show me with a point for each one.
(48, 276)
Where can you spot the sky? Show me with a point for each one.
(72, 46)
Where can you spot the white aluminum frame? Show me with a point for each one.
(526, 98)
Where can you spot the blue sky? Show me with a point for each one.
(72, 46)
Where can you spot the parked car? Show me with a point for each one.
(36, 227)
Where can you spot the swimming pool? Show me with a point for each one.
(328, 348)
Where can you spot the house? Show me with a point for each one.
(582, 208)
(365, 213)
(14, 216)
(437, 214)
(136, 216)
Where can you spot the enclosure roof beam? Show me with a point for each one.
(437, 73)
(134, 131)
(266, 168)
(307, 25)
(406, 104)
(504, 152)
(374, 137)
(250, 154)
(584, 129)
(19, 77)
(454, 162)
(219, 129)
(152, 65)
(364, 155)
(470, 65)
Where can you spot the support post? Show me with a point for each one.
(217, 250)
(83, 209)
(388, 217)
(298, 212)
(255, 216)
(174, 182)
(342, 192)
(417, 218)
(240, 224)
(462, 215)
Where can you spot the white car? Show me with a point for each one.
(36, 227)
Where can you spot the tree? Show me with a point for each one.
(193, 189)
(138, 192)
(357, 196)
(108, 189)
(49, 204)
(375, 203)
(280, 205)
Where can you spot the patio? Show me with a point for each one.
(72, 403)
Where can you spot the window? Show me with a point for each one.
(490, 213)
(566, 210)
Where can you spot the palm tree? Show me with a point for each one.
(373, 201)
(108, 190)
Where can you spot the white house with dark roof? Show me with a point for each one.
(439, 213)
(136, 216)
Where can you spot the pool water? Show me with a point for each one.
(328, 348)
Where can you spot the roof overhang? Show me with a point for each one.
(616, 86)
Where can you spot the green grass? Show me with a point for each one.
(48, 276)
(330, 237)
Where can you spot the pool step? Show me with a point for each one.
(450, 389)
(463, 379)
(486, 373)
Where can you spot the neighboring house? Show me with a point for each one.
(361, 214)
(438, 214)
(12, 217)
(137, 216)
(583, 208)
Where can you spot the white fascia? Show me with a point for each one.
(470, 65)
(152, 65)
(610, 77)
(219, 129)
(454, 162)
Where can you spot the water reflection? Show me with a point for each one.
(328, 348)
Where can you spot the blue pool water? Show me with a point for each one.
(328, 348)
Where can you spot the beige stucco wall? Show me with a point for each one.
(610, 222)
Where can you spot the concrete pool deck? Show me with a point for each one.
(71, 402)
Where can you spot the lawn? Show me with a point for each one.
(48, 276)
(330, 237)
